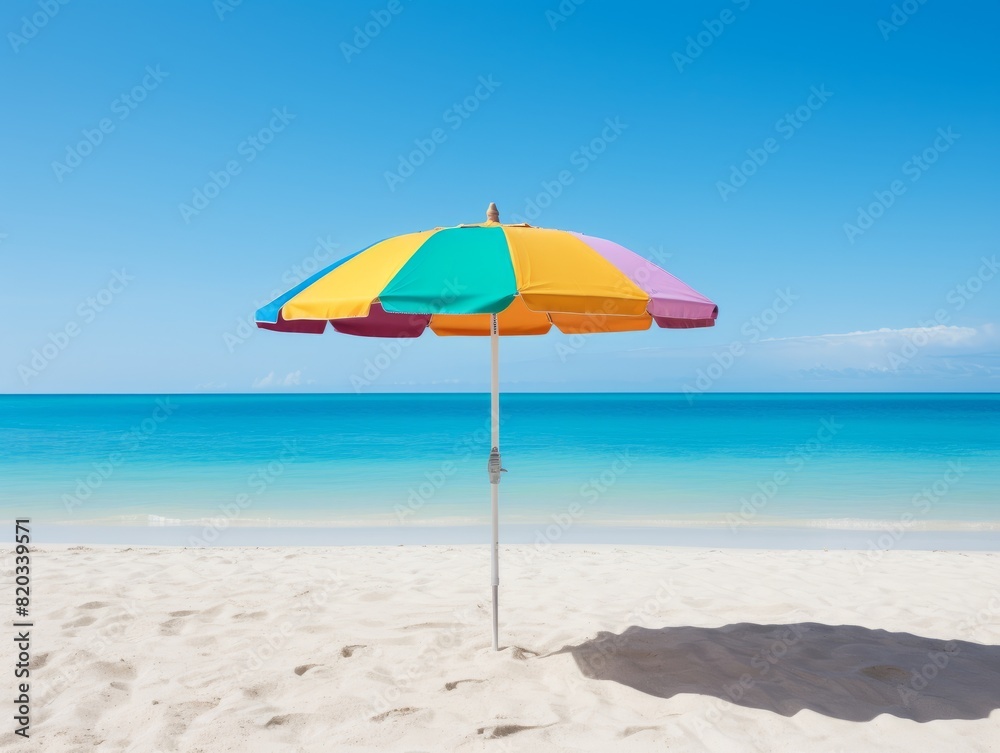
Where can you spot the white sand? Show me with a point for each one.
(387, 648)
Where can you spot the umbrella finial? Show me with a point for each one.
(492, 213)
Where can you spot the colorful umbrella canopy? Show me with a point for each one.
(452, 279)
(489, 279)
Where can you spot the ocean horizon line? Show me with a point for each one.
(678, 393)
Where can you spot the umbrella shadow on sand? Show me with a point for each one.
(843, 671)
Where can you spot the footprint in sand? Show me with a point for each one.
(114, 670)
(404, 711)
(348, 651)
(94, 605)
(303, 668)
(175, 623)
(523, 653)
(244, 616)
(300, 721)
(259, 691)
(629, 731)
(80, 622)
(456, 683)
(177, 717)
(171, 627)
(503, 730)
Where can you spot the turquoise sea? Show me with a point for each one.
(834, 461)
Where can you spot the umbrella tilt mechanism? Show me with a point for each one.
(494, 467)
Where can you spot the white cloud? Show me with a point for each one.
(887, 353)
(905, 358)
(291, 379)
(939, 334)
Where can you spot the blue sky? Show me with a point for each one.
(751, 141)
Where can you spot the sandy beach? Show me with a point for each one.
(603, 648)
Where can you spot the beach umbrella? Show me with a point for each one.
(489, 279)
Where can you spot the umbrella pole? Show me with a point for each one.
(494, 467)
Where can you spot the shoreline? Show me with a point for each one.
(540, 536)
